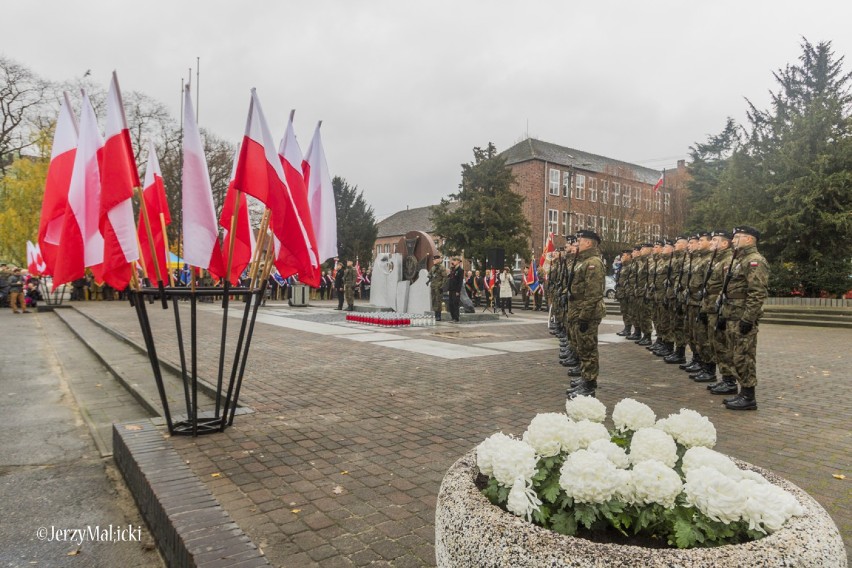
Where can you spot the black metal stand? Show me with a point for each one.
(227, 395)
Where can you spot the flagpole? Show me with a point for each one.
(180, 158)
(166, 247)
(231, 239)
(261, 241)
(147, 222)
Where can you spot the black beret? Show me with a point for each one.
(668, 242)
(659, 242)
(700, 234)
(647, 245)
(587, 234)
(722, 233)
(747, 230)
(570, 239)
(627, 251)
(637, 247)
(682, 238)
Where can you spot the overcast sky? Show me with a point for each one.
(407, 89)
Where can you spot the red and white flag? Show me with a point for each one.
(320, 197)
(81, 245)
(200, 231)
(548, 247)
(119, 178)
(35, 262)
(244, 241)
(660, 181)
(56, 187)
(291, 161)
(261, 175)
(154, 198)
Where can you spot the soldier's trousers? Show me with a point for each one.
(661, 320)
(743, 353)
(678, 325)
(626, 316)
(586, 347)
(349, 294)
(437, 300)
(643, 315)
(700, 338)
(721, 349)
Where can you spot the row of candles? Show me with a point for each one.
(391, 319)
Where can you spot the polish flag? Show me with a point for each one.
(291, 161)
(35, 262)
(261, 175)
(548, 247)
(81, 245)
(320, 198)
(154, 198)
(56, 187)
(118, 180)
(200, 232)
(244, 241)
(660, 181)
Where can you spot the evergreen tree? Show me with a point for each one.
(356, 223)
(488, 214)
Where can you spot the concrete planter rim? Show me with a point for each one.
(470, 531)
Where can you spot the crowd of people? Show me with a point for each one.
(18, 290)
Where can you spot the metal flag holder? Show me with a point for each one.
(199, 421)
(52, 299)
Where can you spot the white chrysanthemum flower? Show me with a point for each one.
(523, 500)
(616, 455)
(587, 432)
(705, 457)
(486, 450)
(768, 506)
(653, 444)
(654, 482)
(715, 494)
(589, 477)
(513, 459)
(631, 415)
(547, 432)
(689, 429)
(585, 408)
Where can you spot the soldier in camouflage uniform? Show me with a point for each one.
(692, 257)
(630, 291)
(699, 340)
(349, 286)
(436, 279)
(641, 291)
(674, 294)
(651, 291)
(717, 356)
(568, 356)
(623, 291)
(585, 297)
(742, 308)
(662, 277)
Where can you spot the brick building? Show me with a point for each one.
(394, 227)
(566, 190)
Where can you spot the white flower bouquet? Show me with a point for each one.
(658, 479)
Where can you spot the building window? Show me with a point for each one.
(553, 221)
(593, 189)
(647, 231)
(667, 197)
(605, 191)
(580, 186)
(581, 221)
(658, 201)
(387, 248)
(378, 250)
(394, 247)
(602, 225)
(628, 198)
(614, 234)
(554, 182)
(616, 194)
(592, 223)
(656, 232)
(566, 227)
(647, 199)
(519, 262)
(566, 184)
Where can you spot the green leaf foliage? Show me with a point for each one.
(356, 223)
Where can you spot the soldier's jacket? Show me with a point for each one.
(587, 287)
(622, 284)
(641, 276)
(662, 266)
(717, 279)
(700, 260)
(437, 277)
(678, 266)
(748, 287)
(349, 276)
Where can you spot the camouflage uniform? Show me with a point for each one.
(661, 319)
(642, 313)
(675, 311)
(720, 352)
(699, 336)
(746, 292)
(349, 286)
(437, 277)
(623, 292)
(586, 301)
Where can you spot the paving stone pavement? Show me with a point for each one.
(341, 462)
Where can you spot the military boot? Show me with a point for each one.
(574, 371)
(636, 335)
(745, 401)
(657, 343)
(586, 388)
(692, 361)
(677, 356)
(646, 340)
(728, 385)
(624, 332)
(695, 366)
(707, 375)
(666, 350)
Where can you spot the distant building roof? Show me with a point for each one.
(416, 219)
(532, 149)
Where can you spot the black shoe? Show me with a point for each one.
(694, 367)
(574, 371)
(586, 388)
(728, 385)
(338, 309)
(646, 340)
(703, 377)
(745, 401)
(624, 332)
(635, 336)
(692, 362)
(572, 362)
(678, 356)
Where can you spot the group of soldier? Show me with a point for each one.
(705, 290)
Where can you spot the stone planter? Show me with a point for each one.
(471, 532)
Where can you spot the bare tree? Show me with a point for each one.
(22, 98)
